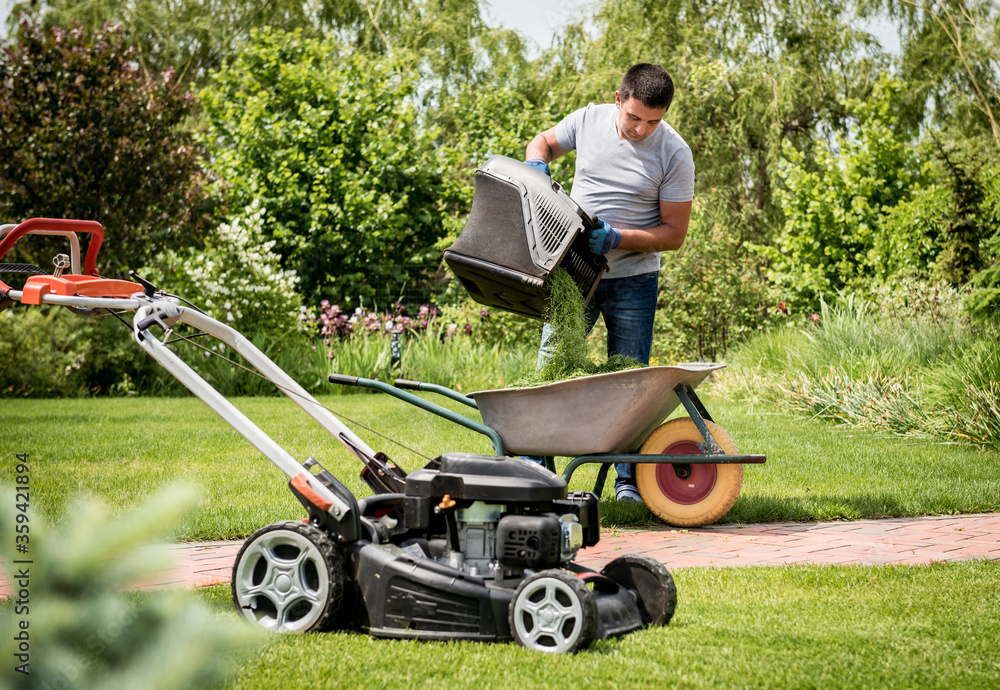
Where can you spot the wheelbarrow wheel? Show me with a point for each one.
(288, 577)
(553, 611)
(705, 494)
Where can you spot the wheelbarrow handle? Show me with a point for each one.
(417, 401)
(344, 380)
(406, 384)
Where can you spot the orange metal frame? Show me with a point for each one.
(91, 284)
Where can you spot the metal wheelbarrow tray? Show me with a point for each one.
(560, 418)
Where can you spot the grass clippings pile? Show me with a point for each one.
(567, 357)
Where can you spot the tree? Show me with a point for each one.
(950, 57)
(197, 36)
(86, 135)
(961, 253)
(326, 140)
(448, 40)
(983, 302)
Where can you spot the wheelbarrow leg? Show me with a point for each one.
(687, 395)
(696, 409)
(602, 476)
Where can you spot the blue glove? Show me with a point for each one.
(603, 238)
(539, 164)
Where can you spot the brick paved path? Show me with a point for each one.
(911, 541)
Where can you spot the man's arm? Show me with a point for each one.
(668, 235)
(545, 147)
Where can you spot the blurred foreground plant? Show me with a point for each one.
(84, 632)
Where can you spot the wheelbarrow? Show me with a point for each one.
(689, 471)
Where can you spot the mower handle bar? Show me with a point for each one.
(60, 226)
(74, 242)
(164, 311)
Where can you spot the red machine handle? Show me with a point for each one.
(91, 226)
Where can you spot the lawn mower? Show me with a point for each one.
(469, 547)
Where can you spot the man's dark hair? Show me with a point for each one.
(651, 84)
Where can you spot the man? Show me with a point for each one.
(636, 174)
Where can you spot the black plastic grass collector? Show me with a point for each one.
(521, 228)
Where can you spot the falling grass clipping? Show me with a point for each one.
(567, 359)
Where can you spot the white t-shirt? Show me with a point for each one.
(622, 181)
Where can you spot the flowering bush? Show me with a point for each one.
(338, 324)
(444, 323)
(237, 278)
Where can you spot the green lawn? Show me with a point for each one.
(124, 449)
(809, 626)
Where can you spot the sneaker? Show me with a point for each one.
(628, 493)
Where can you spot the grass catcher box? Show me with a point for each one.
(522, 227)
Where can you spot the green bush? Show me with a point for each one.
(836, 233)
(907, 364)
(50, 352)
(712, 296)
(326, 140)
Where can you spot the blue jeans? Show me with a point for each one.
(628, 306)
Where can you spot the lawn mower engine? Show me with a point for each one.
(474, 547)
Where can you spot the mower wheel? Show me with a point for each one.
(553, 611)
(652, 583)
(288, 577)
(687, 495)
